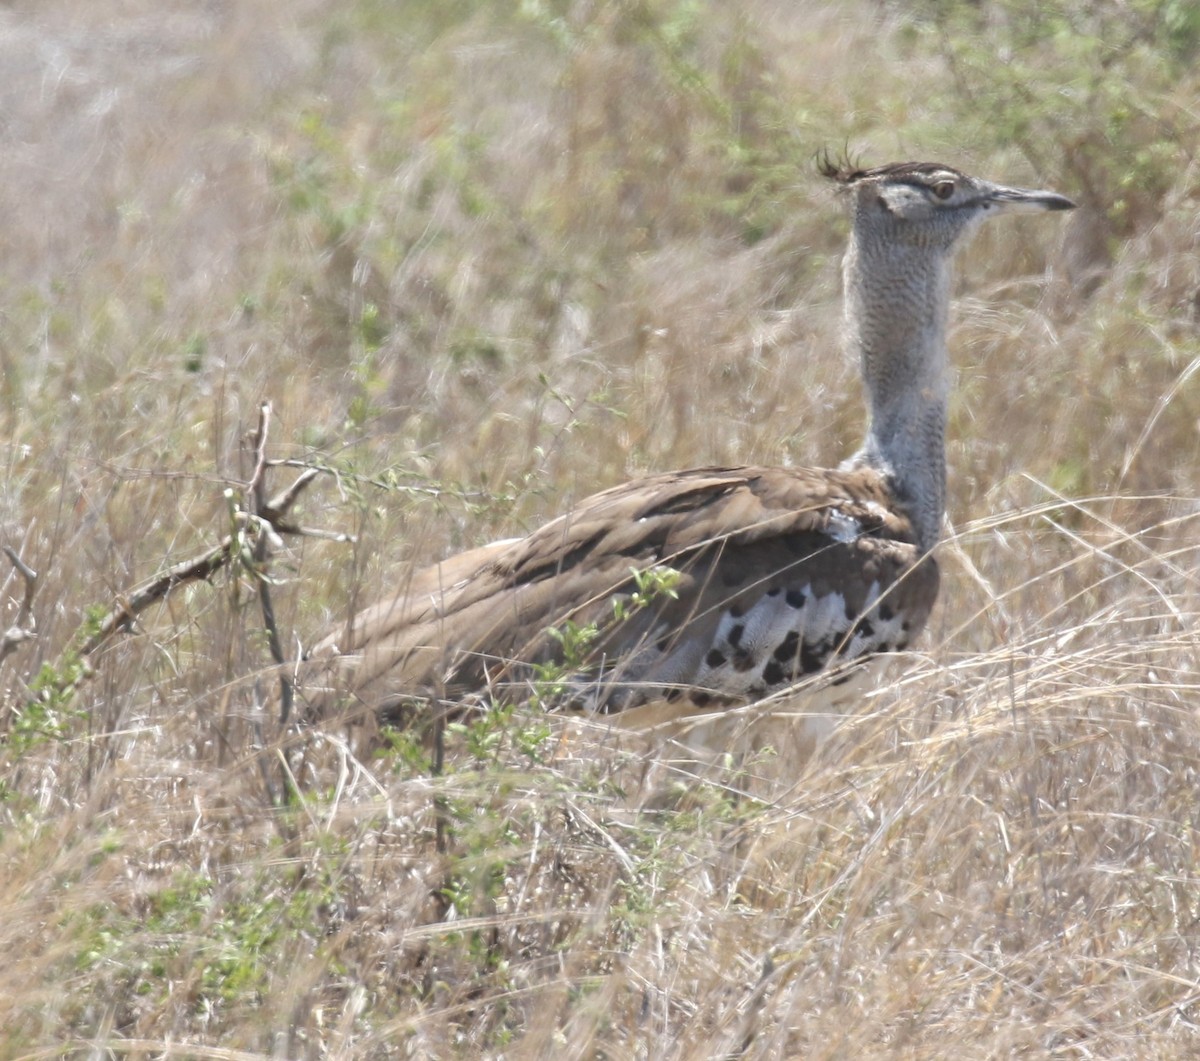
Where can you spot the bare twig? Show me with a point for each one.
(23, 629)
(388, 485)
(255, 488)
(198, 568)
(256, 495)
(274, 509)
(273, 512)
(127, 608)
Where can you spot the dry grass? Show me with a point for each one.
(491, 262)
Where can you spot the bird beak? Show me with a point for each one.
(1021, 199)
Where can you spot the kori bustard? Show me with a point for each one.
(706, 589)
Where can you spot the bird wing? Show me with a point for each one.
(765, 575)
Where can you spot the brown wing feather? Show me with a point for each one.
(745, 540)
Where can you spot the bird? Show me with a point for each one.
(690, 595)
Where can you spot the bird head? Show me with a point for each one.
(927, 202)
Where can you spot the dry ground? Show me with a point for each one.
(483, 258)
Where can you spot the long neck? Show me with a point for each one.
(896, 307)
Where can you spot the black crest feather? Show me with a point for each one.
(840, 167)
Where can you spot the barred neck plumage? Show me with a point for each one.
(908, 220)
(896, 306)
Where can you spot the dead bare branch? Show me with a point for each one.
(23, 629)
(126, 609)
(202, 567)
(256, 495)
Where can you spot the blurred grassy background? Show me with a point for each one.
(484, 258)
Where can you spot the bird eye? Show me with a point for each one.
(943, 189)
